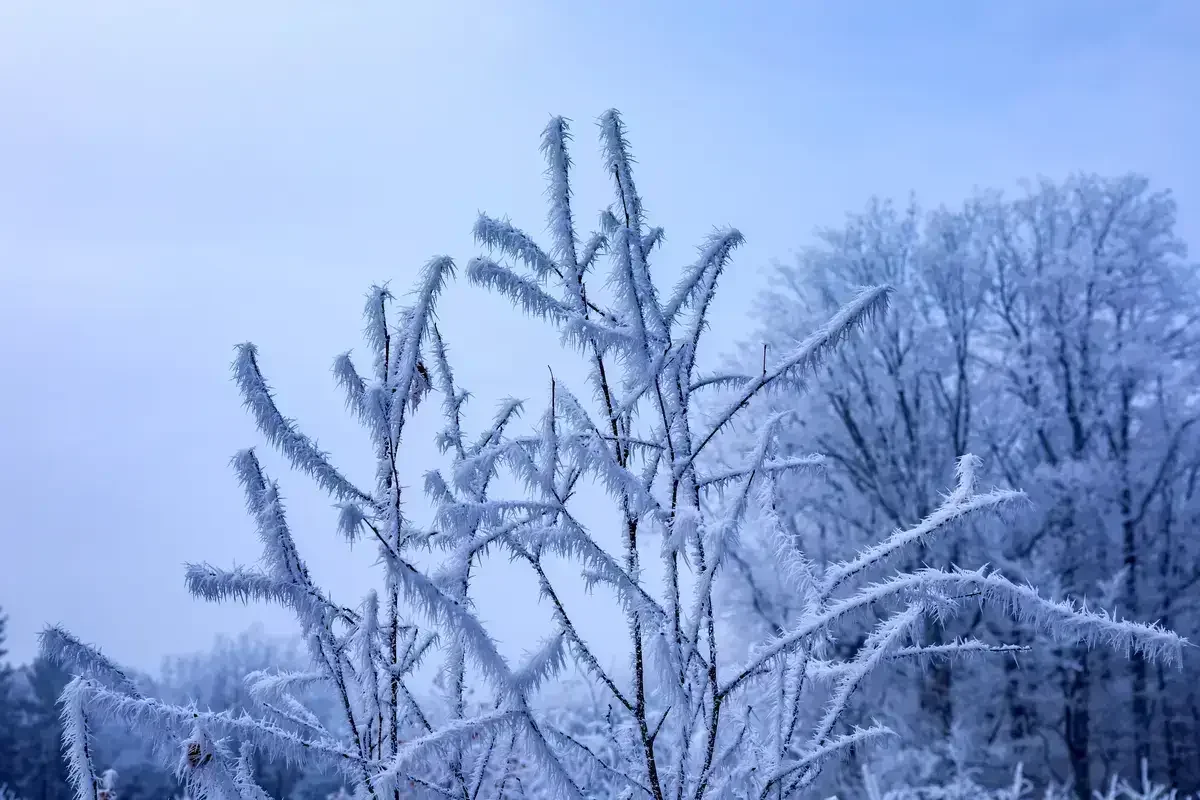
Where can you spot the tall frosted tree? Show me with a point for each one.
(687, 718)
(1095, 332)
(1055, 332)
(891, 412)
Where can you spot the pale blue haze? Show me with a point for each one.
(178, 177)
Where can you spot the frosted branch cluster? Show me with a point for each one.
(685, 720)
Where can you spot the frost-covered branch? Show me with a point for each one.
(685, 717)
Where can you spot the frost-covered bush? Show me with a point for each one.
(685, 719)
(964, 785)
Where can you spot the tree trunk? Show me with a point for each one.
(1021, 721)
(1078, 722)
(935, 685)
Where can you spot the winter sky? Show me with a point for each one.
(177, 177)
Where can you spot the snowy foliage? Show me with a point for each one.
(1055, 332)
(964, 785)
(687, 720)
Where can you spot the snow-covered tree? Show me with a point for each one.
(687, 718)
(1054, 332)
(1095, 332)
(891, 412)
(10, 738)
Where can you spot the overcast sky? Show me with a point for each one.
(177, 177)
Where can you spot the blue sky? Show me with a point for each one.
(176, 178)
